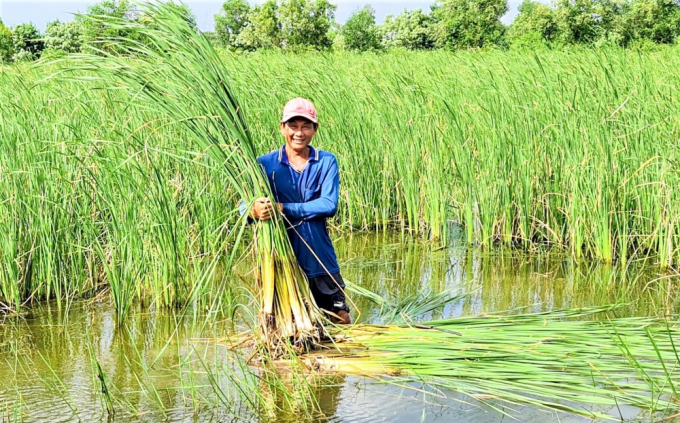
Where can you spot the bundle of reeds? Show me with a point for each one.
(561, 360)
(173, 72)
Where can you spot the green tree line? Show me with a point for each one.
(298, 25)
(449, 24)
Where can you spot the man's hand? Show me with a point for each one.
(263, 209)
(342, 319)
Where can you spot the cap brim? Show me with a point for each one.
(286, 118)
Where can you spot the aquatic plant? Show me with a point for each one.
(523, 150)
(574, 149)
(174, 72)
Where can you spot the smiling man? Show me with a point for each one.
(305, 182)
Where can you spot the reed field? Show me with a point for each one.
(121, 176)
(575, 150)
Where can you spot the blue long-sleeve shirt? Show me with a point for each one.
(309, 197)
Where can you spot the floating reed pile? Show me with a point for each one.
(564, 360)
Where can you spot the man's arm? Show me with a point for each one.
(324, 206)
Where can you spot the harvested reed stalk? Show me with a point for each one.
(173, 70)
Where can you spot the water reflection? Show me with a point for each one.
(500, 281)
(160, 367)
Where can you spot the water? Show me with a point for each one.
(160, 367)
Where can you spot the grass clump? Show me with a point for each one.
(574, 150)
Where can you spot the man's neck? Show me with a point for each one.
(294, 155)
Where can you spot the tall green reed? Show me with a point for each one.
(575, 150)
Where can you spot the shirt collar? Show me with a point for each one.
(283, 157)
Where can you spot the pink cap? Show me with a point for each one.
(299, 107)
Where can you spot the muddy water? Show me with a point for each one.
(62, 367)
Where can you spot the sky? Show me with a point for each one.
(40, 12)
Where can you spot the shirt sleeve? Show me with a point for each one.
(324, 206)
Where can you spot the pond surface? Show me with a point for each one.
(63, 367)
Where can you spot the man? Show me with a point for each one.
(305, 182)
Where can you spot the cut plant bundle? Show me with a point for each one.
(175, 72)
(287, 307)
(559, 360)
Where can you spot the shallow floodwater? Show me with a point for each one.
(61, 367)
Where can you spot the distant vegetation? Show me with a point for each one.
(299, 25)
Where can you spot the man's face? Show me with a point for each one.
(298, 133)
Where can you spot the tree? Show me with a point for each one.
(534, 25)
(360, 32)
(469, 23)
(65, 37)
(231, 21)
(306, 23)
(6, 44)
(93, 23)
(28, 44)
(412, 30)
(585, 21)
(262, 29)
(655, 20)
